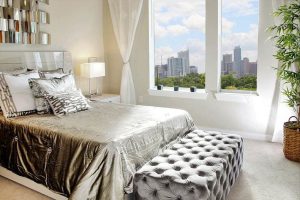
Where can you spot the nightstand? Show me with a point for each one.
(108, 98)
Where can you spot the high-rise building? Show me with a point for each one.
(161, 71)
(246, 66)
(253, 68)
(185, 55)
(227, 64)
(175, 67)
(193, 70)
(237, 61)
(237, 54)
(156, 70)
(250, 68)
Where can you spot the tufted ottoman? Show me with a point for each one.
(202, 165)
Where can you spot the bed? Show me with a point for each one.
(92, 154)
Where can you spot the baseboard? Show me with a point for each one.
(246, 135)
(30, 184)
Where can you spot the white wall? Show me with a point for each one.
(75, 26)
(250, 119)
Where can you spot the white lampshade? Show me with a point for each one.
(92, 70)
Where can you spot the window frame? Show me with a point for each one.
(213, 55)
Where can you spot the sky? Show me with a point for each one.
(180, 25)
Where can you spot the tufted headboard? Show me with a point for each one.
(42, 60)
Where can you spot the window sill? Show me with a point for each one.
(183, 93)
(236, 96)
(225, 95)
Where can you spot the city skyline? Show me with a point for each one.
(235, 64)
(231, 63)
(177, 66)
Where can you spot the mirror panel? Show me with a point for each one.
(44, 17)
(44, 1)
(44, 38)
(20, 22)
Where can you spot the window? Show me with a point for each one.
(239, 44)
(179, 43)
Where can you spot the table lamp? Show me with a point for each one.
(92, 70)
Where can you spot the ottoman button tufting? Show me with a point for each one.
(153, 163)
(184, 176)
(193, 166)
(201, 157)
(201, 173)
(177, 168)
(195, 152)
(202, 165)
(210, 164)
(159, 171)
(171, 161)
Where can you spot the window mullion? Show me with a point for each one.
(213, 45)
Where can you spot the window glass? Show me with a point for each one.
(179, 43)
(239, 44)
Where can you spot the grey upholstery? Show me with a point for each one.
(202, 165)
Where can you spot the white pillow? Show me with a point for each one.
(16, 72)
(16, 96)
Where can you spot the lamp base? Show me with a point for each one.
(98, 91)
(90, 96)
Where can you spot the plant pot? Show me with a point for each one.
(176, 88)
(160, 87)
(291, 142)
(193, 89)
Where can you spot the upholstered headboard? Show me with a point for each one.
(42, 60)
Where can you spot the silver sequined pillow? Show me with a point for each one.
(69, 102)
(57, 73)
(41, 87)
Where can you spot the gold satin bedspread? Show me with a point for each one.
(91, 154)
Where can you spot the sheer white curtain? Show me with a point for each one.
(125, 16)
(280, 110)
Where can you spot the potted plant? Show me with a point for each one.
(193, 89)
(287, 41)
(176, 84)
(159, 86)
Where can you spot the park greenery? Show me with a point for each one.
(229, 82)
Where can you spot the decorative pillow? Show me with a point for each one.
(57, 73)
(16, 71)
(41, 87)
(68, 102)
(41, 104)
(16, 97)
